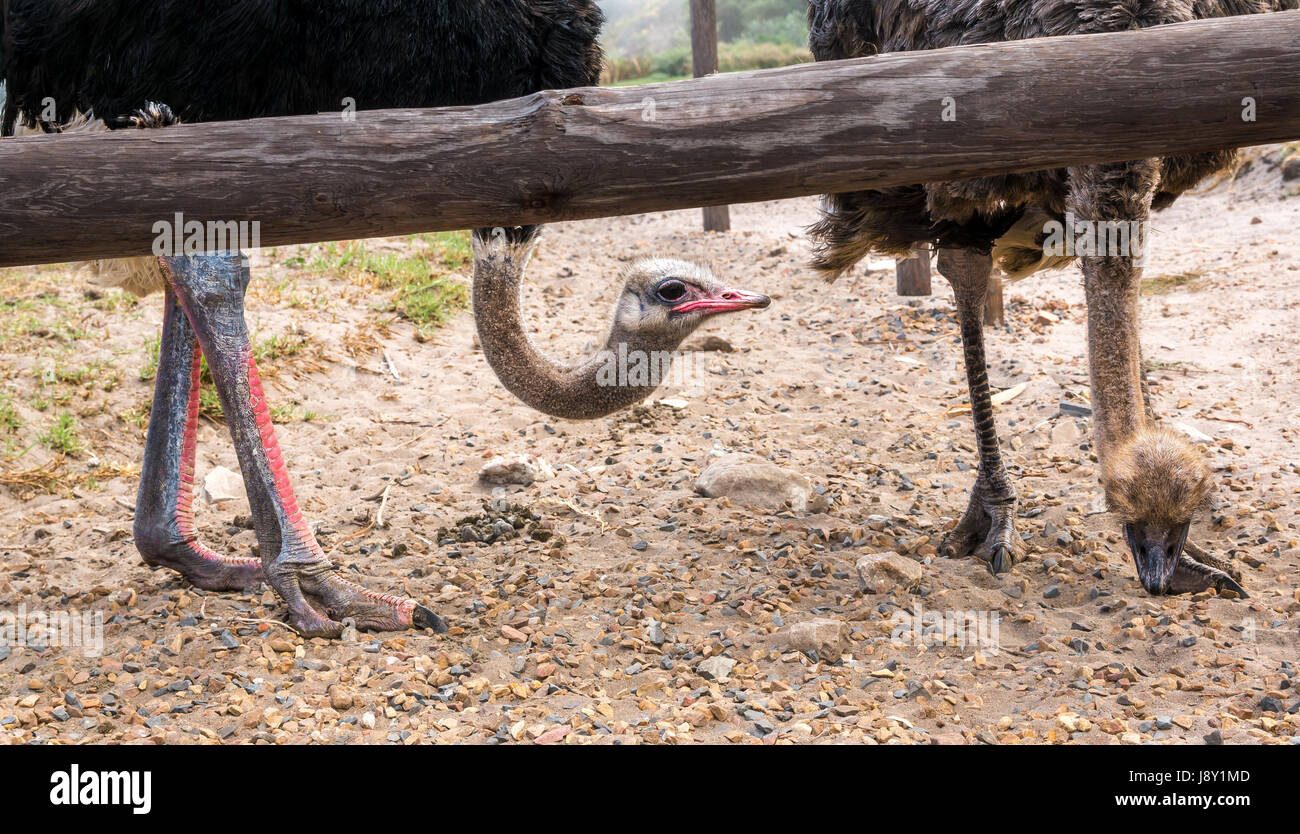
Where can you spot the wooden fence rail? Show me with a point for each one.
(730, 138)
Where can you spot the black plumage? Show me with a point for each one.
(217, 60)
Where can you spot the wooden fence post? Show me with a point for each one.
(994, 311)
(913, 273)
(704, 60)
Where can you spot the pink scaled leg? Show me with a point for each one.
(164, 516)
(210, 289)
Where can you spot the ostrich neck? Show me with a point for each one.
(1114, 352)
(592, 388)
(1112, 284)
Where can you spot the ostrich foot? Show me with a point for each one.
(319, 599)
(1198, 571)
(204, 569)
(987, 531)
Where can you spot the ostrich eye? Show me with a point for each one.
(671, 290)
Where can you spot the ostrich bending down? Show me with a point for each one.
(662, 302)
(98, 61)
(1154, 481)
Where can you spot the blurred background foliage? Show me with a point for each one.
(650, 40)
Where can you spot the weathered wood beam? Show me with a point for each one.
(731, 138)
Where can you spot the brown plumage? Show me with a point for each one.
(977, 212)
(1155, 476)
(1154, 480)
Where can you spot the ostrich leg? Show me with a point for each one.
(210, 290)
(987, 530)
(164, 514)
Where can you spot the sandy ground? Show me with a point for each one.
(598, 636)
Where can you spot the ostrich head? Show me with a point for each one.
(661, 302)
(664, 301)
(1156, 482)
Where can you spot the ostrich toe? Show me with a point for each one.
(987, 531)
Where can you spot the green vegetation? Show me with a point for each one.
(152, 348)
(649, 40)
(63, 436)
(10, 420)
(426, 293)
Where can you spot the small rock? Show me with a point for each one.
(1193, 434)
(1075, 409)
(879, 573)
(828, 638)
(554, 735)
(1270, 704)
(516, 469)
(748, 479)
(341, 699)
(221, 484)
(710, 343)
(716, 668)
(1291, 168)
(368, 720)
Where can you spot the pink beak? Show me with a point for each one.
(724, 301)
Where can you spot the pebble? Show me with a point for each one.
(340, 698)
(716, 668)
(826, 638)
(750, 480)
(880, 573)
(524, 470)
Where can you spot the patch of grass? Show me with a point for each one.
(279, 347)
(31, 326)
(152, 350)
(653, 78)
(1161, 284)
(10, 420)
(94, 374)
(63, 435)
(428, 307)
(293, 413)
(425, 292)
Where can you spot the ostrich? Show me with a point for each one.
(662, 302)
(1154, 481)
(96, 63)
